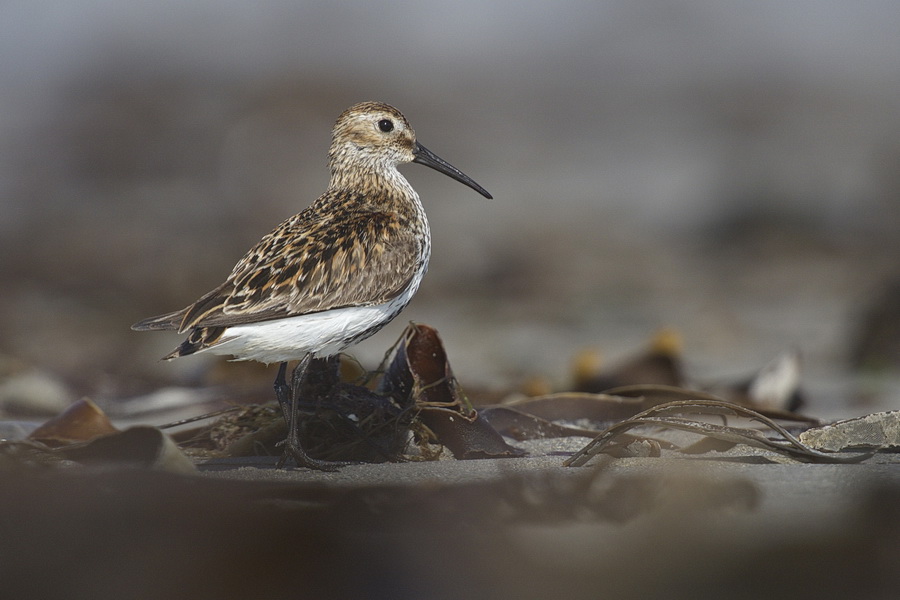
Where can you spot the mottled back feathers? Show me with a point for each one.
(351, 257)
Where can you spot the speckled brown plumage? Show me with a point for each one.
(344, 250)
(363, 242)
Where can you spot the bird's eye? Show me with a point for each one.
(386, 125)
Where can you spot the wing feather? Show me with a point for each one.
(363, 258)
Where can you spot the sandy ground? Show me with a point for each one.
(739, 525)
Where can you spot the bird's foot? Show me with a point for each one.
(302, 459)
(289, 400)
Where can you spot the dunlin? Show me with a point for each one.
(330, 276)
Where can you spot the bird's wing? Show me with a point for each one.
(301, 267)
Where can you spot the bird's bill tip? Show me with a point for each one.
(426, 157)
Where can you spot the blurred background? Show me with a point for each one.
(728, 169)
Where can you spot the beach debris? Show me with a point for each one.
(417, 400)
(652, 395)
(776, 386)
(520, 425)
(342, 421)
(83, 435)
(671, 415)
(660, 363)
(565, 415)
(140, 446)
(353, 423)
(877, 431)
(80, 422)
(420, 376)
(246, 430)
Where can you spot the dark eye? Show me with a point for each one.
(386, 125)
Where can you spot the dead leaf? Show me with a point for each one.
(82, 421)
(420, 376)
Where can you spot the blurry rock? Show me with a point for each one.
(138, 447)
(587, 369)
(774, 387)
(141, 446)
(537, 385)
(878, 431)
(659, 364)
(80, 422)
(777, 385)
(33, 393)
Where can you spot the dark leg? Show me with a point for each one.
(292, 447)
(283, 393)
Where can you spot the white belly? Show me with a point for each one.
(322, 334)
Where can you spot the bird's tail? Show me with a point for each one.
(200, 338)
(162, 322)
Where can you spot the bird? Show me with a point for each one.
(330, 276)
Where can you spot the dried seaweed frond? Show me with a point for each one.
(662, 416)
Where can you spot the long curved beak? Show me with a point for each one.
(426, 157)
